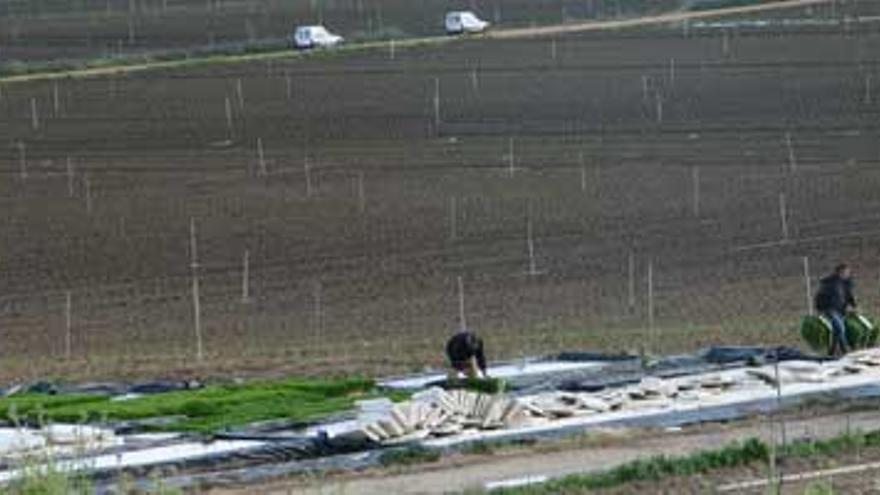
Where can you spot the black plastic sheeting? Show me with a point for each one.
(620, 370)
(289, 452)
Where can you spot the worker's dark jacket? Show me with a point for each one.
(464, 346)
(834, 294)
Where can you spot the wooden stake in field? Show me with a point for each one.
(808, 286)
(437, 105)
(318, 310)
(631, 289)
(196, 294)
(56, 100)
(725, 45)
(261, 158)
(68, 324)
(239, 92)
(511, 158)
(671, 72)
(645, 97)
(228, 108)
(453, 219)
(307, 170)
(783, 216)
(695, 180)
(246, 277)
(87, 183)
(22, 160)
(583, 172)
(475, 81)
(70, 189)
(462, 321)
(362, 193)
(35, 118)
(530, 243)
(391, 49)
(792, 158)
(868, 96)
(651, 330)
(659, 105)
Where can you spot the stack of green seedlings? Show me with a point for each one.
(861, 333)
(482, 385)
(206, 410)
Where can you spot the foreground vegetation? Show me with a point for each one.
(205, 410)
(750, 452)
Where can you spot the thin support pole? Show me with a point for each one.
(87, 182)
(35, 118)
(696, 190)
(229, 124)
(307, 170)
(511, 157)
(239, 91)
(68, 324)
(261, 158)
(651, 328)
(246, 276)
(582, 163)
(22, 160)
(807, 285)
(437, 105)
(783, 216)
(792, 158)
(462, 322)
(672, 73)
(56, 100)
(362, 193)
(453, 219)
(196, 294)
(631, 273)
(70, 188)
(868, 95)
(533, 269)
(475, 81)
(659, 105)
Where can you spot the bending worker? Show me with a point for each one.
(465, 353)
(835, 299)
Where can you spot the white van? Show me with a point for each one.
(464, 21)
(314, 37)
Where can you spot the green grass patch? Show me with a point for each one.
(735, 455)
(205, 410)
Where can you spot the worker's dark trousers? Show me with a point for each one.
(838, 332)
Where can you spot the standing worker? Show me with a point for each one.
(834, 300)
(465, 353)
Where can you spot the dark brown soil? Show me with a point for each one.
(355, 268)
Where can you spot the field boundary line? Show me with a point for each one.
(648, 21)
(512, 33)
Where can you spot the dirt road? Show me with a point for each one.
(454, 477)
(495, 34)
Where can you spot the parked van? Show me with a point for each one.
(314, 37)
(465, 21)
